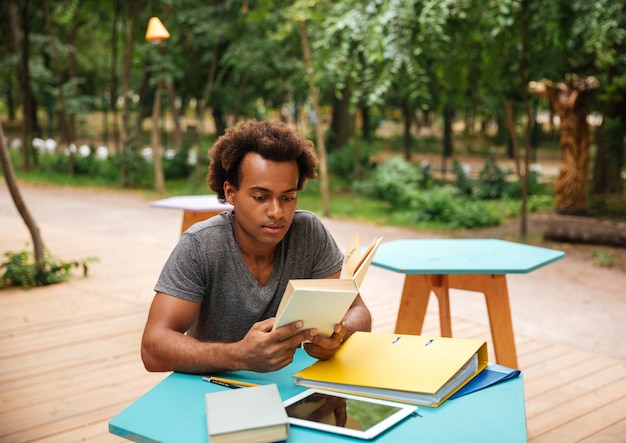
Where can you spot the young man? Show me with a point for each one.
(218, 292)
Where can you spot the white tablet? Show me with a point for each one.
(346, 414)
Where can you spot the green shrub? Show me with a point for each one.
(394, 180)
(178, 166)
(447, 205)
(491, 181)
(20, 270)
(341, 162)
(464, 183)
(138, 170)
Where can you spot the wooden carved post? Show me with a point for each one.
(569, 100)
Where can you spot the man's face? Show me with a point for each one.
(266, 200)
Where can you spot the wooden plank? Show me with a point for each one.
(552, 368)
(582, 416)
(93, 433)
(18, 394)
(611, 434)
(529, 347)
(589, 373)
(541, 355)
(51, 309)
(73, 355)
(85, 329)
(48, 418)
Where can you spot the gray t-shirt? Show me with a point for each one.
(207, 267)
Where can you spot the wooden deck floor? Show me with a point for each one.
(70, 362)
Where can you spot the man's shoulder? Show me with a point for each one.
(215, 225)
(306, 220)
(303, 216)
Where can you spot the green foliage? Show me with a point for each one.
(445, 204)
(178, 166)
(393, 180)
(494, 183)
(20, 269)
(405, 186)
(138, 171)
(491, 180)
(610, 206)
(603, 258)
(341, 162)
(490, 184)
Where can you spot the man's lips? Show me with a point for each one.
(273, 227)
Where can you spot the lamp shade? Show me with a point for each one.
(156, 31)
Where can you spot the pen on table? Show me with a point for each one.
(232, 384)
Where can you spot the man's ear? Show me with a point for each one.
(229, 193)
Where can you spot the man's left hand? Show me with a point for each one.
(323, 348)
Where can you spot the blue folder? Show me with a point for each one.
(491, 375)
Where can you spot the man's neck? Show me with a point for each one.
(258, 257)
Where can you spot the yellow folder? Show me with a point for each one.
(410, 368)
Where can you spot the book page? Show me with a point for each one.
(366, 260)
(352, 258)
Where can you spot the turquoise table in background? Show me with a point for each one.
(480, 265)
(174, 411)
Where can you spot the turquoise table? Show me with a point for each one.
(173, 411)
(479, 265)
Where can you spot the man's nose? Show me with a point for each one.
(275, 209)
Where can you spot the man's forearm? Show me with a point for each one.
(358, 318)
(181, 353)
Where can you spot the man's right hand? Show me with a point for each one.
(264, 350)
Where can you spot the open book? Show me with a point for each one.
(322, 303)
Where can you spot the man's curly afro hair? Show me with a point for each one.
(274, 141)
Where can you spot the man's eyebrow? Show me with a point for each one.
(263, 189)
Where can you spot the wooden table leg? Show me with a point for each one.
(416, 292)
(440, 286)
(191, 217)
(413, 304)
(497, 299)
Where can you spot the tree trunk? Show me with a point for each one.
(73, 72)
(126, 73)
(178, 132)
(66, 135)
(219, 48)
(569, 100)
(510, 125)
(341, 120)
(407, 115)
(366, 123)
(609, 159)
(448, 147)
(20, 36)
(523, 174)
(9, 176)
(155, 138)
(319, 133)
(220, 121)
(115, 79)
(240, 96)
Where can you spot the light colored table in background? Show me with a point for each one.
(195, 207)
(479, 265)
